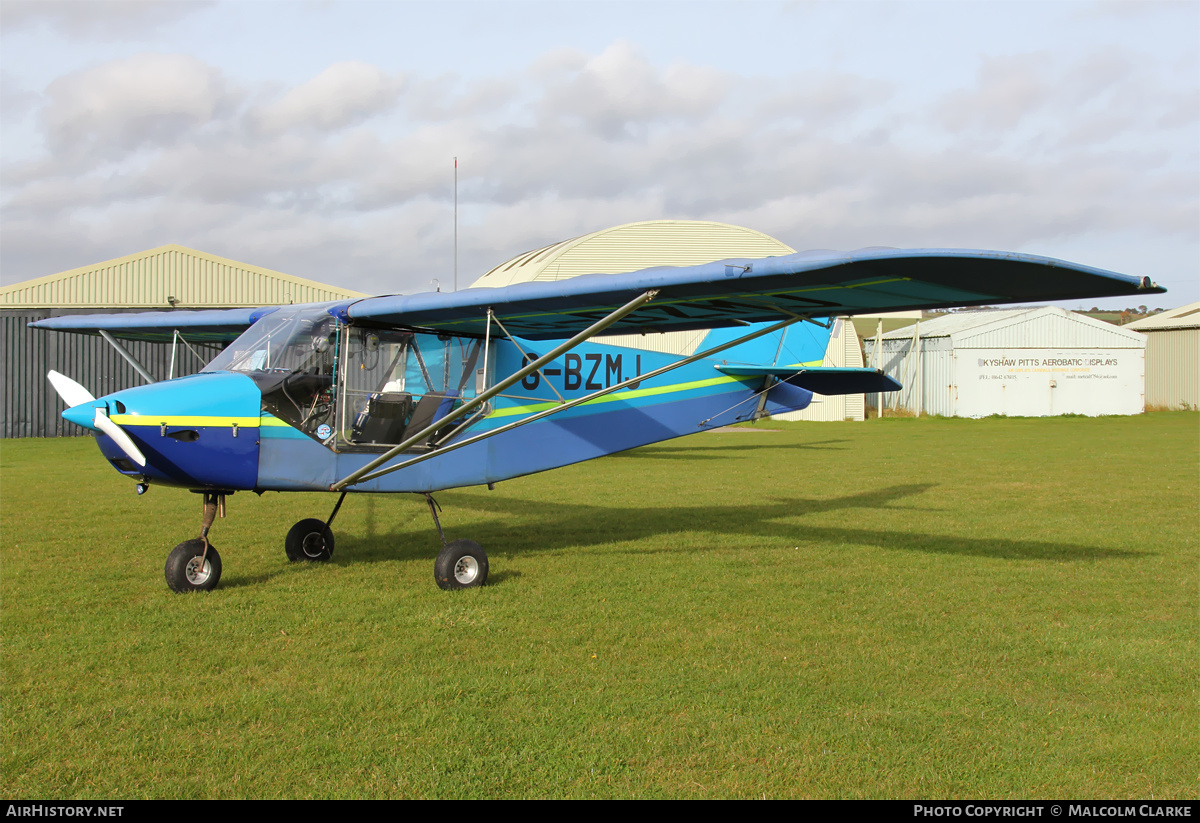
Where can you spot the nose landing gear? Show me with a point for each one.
(194, 565)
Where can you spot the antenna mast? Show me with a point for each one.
(456, 223)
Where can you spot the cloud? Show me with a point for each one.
(98, 19)
(347, 177)
(618, 91)
(342, 95)
(1009, 89)
(113, 109)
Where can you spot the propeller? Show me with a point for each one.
(118, 436)
(71, 392)
(75, 395)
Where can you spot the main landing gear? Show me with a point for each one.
(311, 540)
(461, 564)
(195, 566)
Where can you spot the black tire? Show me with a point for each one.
(184, 572)
(309, 540)
(463, 564)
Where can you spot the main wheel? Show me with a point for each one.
(186, 573)
(461, 565)
(309, 540)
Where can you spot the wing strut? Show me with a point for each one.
(479, 400)
(569, 404)
(137, 367)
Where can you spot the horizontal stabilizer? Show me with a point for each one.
(821, 379)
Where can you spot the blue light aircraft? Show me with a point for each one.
(440, 390)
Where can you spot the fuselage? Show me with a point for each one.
(300, 401)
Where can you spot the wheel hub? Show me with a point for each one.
(313, 545)
(197, 571)
(466, 570)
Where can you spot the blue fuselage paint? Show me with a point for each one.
(687, 400)
(198, 432)
(209, 431)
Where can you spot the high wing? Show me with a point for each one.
(738, 291)
(724, 293)
(205, 326)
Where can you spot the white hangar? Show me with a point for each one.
(1017, 362)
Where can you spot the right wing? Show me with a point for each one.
(740, 291)
(726, 293)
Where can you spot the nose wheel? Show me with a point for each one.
(194, 565)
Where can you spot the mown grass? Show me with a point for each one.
(902, 608)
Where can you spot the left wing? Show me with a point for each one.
(208, 326)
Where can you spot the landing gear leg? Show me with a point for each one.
(461, 564)
(312, 540)
(194, 565)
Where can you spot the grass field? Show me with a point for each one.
(1001, 608)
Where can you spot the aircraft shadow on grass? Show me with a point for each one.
(711, 449)
(553, 525)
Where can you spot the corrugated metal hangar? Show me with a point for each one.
(1172, 357)
(168, 278)
(1017, 362)
(675, 243)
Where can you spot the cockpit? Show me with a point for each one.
(354, 388)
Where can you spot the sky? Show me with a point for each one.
(319, 138)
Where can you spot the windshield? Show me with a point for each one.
(292, 355)
(286, 340)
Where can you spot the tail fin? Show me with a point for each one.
(801, 344)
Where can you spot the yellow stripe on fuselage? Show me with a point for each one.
(509, 411)
(193, 420)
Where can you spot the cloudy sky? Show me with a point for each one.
(317, 138)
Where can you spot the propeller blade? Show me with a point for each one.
(119, 437)
(71, 392)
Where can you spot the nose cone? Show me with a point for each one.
(84, 414)
(198, 432)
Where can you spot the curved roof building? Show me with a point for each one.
(635, 246)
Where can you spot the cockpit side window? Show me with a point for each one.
(396, 383)
(354, 388)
